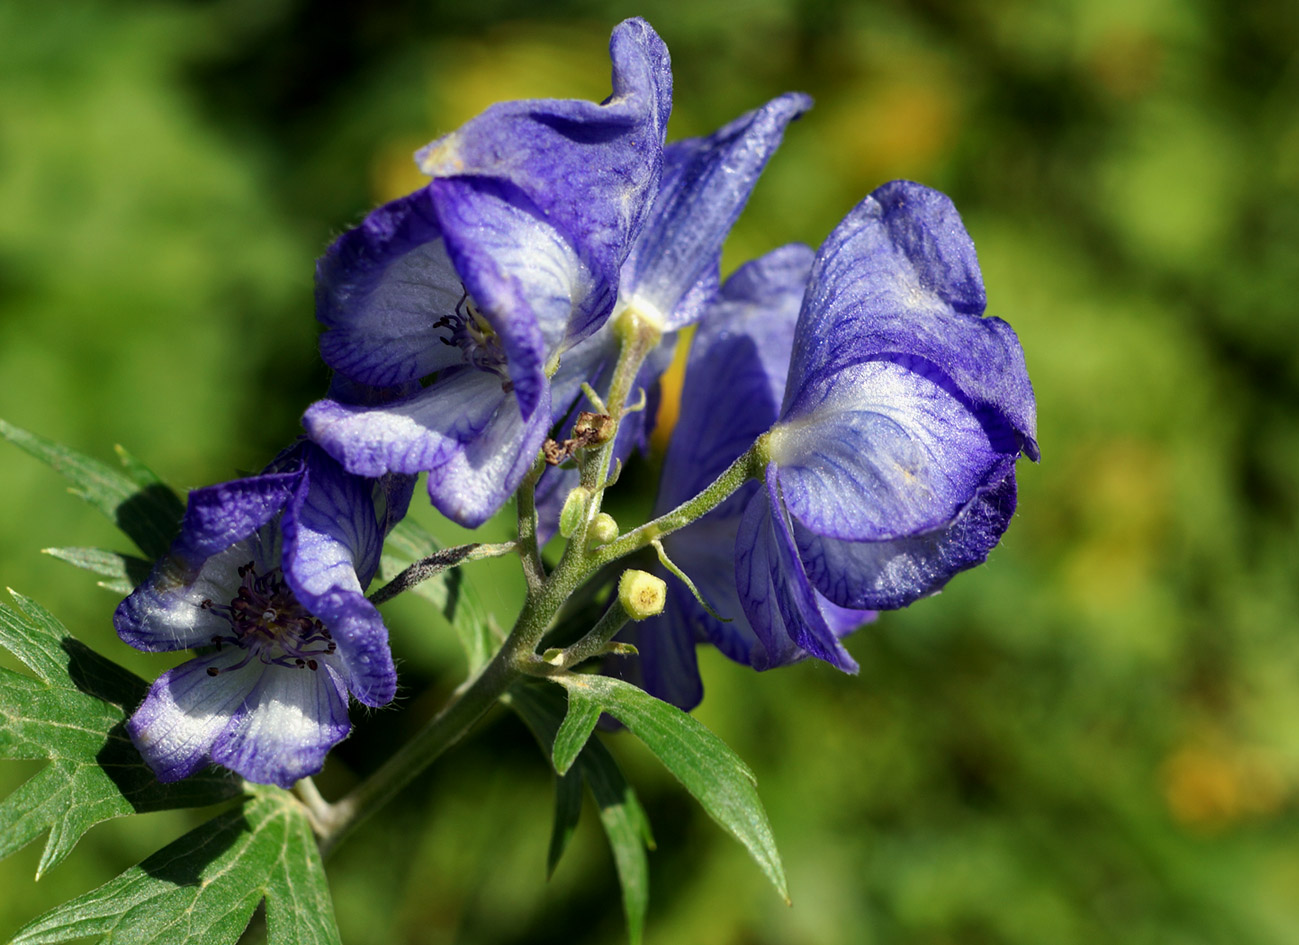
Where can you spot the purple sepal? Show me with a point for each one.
(665, 665)
(736, 372)
(899, 279)
(270, 724)
(777, 598)
(883, 451)
(706, 183)
(218, 516)
(885, 575)
(332, 542)
(589, 170)
(380, 289)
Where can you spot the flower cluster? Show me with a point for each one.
(471, 324)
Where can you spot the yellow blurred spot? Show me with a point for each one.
(1210, 786)
(1126, 62)
(896, 126)
(1123, 494)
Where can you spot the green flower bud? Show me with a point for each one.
(574, 508)
(641, 594)
(602, 531)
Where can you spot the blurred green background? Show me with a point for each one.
(1093, 738)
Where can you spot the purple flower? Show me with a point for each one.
(892, 465)
(671, 274)
(269, 572)
(481, 280)
(735, 380)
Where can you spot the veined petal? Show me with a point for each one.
(285, 726)
(898, 278)
(217, 517)
(167, 612)
(893, 573)
(524, 275)
(331, 551)
(482, 471)
(187, 708)
(885, 452)
(736, 372)
(778, 599)
(705, 551)
(706, 183)
(380, 290)
(410, 435)
(590, 170)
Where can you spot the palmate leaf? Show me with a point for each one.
(449, 592)
(142, 505)
(621, 815)
(702, 762)
(72, 711)
(203, 888)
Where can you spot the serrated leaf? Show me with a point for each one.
(203, 888)
(579, 722)
(123, 572)
(143, 507)
(73, 714)
(621, 815)
(448, 591)
(709, 769)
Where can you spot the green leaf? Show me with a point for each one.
(73, 713)
(143, 507)
(701, 761)
(568, 811)
(203, 888)
(621, 815)
(579, 722)
(124, 572)
(449, 592)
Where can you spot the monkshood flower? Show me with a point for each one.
(671, 274)
(892, 465)
(267, 579)
(478, 282)
(735, 380)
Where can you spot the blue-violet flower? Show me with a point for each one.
(478, 282)
(269, 572)
(892, 465)
(735, 380)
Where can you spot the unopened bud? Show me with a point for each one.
(602, 531)
(573, 510)
(641, 594)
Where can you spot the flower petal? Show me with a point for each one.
(523, 275)
(380, 290)
(167, 611)
(885, 452)
(899, 278)
(706, 183)
(331, 551)
(410, 435)
(284, 728)
(483, 471)
(884, 575)
(590, 170)
(778, 599)
(187, 708)
(736, 372)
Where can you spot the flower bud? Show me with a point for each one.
(574, 508)
(641, 594)
(602, 531)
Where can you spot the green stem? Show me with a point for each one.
(748, 466)
(534, 572)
